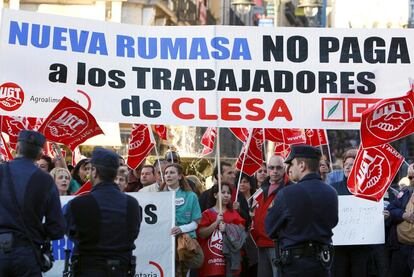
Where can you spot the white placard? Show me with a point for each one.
(227, 76)
(360, 222)
(154, 245)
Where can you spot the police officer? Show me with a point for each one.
(104, 223)
(27, 195)
(303, 216)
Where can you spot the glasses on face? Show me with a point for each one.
(277, 167)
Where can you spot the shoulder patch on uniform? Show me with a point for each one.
(400, 194)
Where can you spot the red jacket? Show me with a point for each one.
(260, 212)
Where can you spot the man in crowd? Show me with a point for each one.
(27, 195)
(302, 218)
(159, 166)
(104, 223)
(147, 175)
(270, 187)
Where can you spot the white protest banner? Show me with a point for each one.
(225, 76)
(154, 246)
(360, 222)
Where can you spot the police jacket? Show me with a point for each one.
(37, 198)
(397, 209)
(264, 202)
(104, 222)
(303, 212)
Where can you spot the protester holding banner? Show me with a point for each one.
(80, 175)
(350, 260)
(30, 210)
(401, 235)
(62, 178)
(302, 218)
(211, 229)
(187, 209)
(104, 223)
(271, 186)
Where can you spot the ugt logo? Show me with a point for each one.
(11, 96)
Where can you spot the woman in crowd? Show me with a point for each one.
(121, 178)
(187, 209)
(45, 163)
(350, 260)
(80, 175)
(247, 186)
(62, 177)
(324, 167)
(261, 175)
(211, 229)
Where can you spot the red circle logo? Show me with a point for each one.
(372, 168)
(11, 96)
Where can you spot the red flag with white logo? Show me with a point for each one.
(241, 133)
(254, 158)
(69, 123)
(12, 125)
(373, 171)
(294, 136)
(161, 131)
(282, 149)
(316, 137)
(274, 134)
(140, 145)
(4, 149)
(388, 120)
(208, 139)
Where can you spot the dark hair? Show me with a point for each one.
(183, 181)
(29, 151)
(311, 164)
(49, 161)
(75, 172)
(222, 165)
(174, 155)
(149, 166)
(155, 163)
(106, 174)
(252, 181)
(214, 190)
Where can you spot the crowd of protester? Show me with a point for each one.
(244, 207)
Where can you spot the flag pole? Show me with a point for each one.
(264, 146)
(329, 151)
(246, 149)
(219, 170)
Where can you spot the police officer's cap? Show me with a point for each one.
(32, 137)
(105, 158)
(303, 151)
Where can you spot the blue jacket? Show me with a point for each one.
(104, 222)
(303, 212)
(37, 198)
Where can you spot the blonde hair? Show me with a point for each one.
(57, 170)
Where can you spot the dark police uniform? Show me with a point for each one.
(301, 220)
(103, 226)
(37, 198)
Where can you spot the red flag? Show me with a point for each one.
(294, 136)
(373, 171)
(140, 145)
(208, 139)
(388, 120)
(4, 149)
(274, 134)
(12, 125)
(282, 149)
(316, 137)
(241, 133)
(69, 123)
(86, 188)
(161, 131)
(254, 158)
